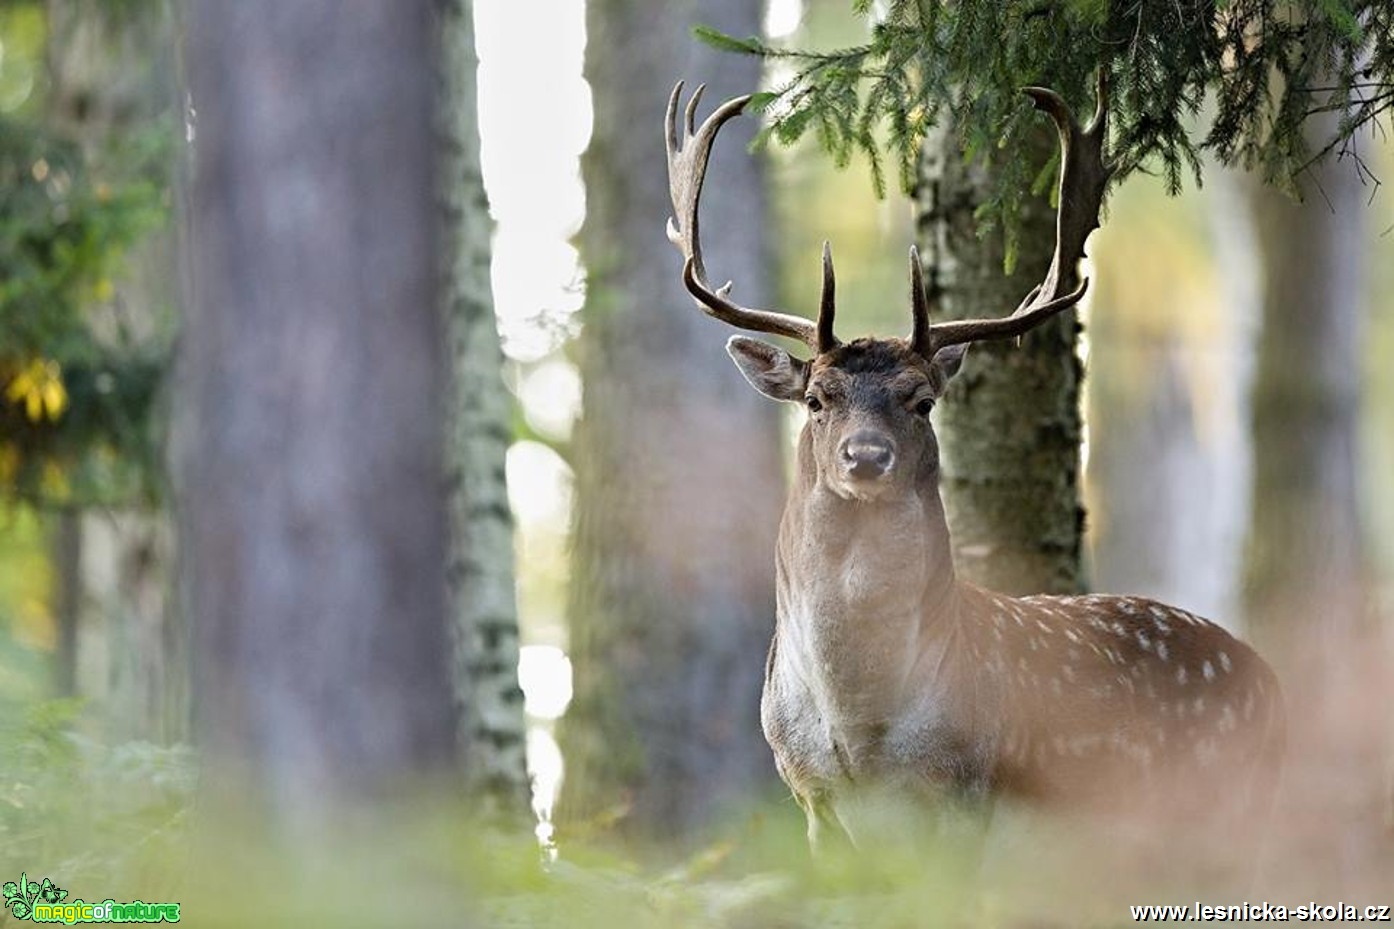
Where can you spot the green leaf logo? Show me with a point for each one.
(20, 898)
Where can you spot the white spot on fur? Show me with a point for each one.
(1162, 651)
(1208, 670)
(1181, 675)
(1144, 642)
(1225, 662)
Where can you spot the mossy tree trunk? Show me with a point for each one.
(678, 476)
(1009, 427)
(483, 604)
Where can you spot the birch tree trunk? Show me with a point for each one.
(311, 495)
(1009, 427)
(483, 605)
(678, 479)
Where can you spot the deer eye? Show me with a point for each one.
(814, 404)
(924, 406)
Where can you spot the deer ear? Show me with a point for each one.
(772, 371)
(948, 360)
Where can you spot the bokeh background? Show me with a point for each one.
(1189, 489)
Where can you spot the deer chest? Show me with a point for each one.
(824, 739)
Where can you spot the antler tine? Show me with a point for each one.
(687, 168)
(919, 306)
(827, 307)
(1084, 176)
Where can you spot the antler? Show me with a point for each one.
(687, 168)
(1083, 178)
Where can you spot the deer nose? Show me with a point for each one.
(867, 455)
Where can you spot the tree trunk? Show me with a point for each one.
(312, 502)
(1305, 557)
(1305, 579)
(1009, 428)
(678, 476)
(111, 74)
(1304, 567)
(66, 559)
(483, 605)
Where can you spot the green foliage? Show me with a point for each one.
(77, 429)
(78, 382)
(1266, 64)
(72, 806)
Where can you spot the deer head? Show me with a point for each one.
(869, 400)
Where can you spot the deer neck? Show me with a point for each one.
(867, 593)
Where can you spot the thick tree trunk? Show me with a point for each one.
(312, 502)
(483, 605)
(1305, 571)
(1305, 557)
(1304, 568)
(1009, 428)
(678, 473)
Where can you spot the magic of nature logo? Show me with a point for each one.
(44, 902)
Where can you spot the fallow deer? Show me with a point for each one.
(886, 672)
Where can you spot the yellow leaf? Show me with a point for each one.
(39, 387)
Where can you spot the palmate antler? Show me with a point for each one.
(1083, 179)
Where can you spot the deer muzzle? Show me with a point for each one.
(867, 456)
